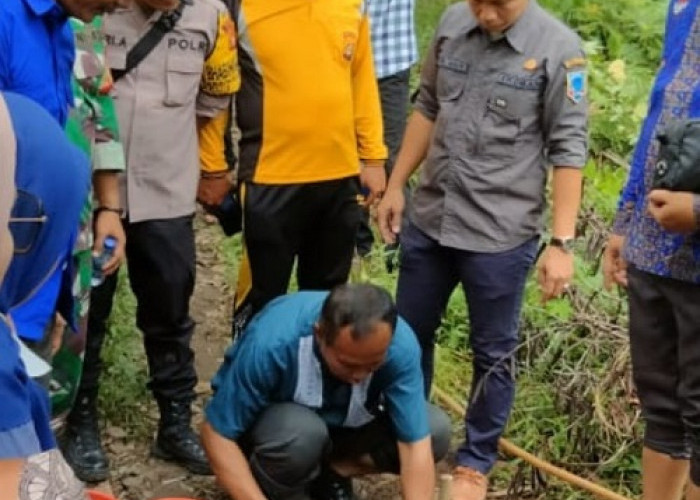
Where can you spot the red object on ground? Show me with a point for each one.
(98, 495)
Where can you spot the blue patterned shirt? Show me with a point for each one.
(676, 95)
(394, 43)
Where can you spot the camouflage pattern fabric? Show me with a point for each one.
(92, 125)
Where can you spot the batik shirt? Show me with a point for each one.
(676, 95)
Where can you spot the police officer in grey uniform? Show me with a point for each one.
(184, 81)
(502, 98)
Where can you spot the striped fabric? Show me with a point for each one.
(393, 35)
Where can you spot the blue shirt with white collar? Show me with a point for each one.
(37, 53)
(675, 96)
(277, 361)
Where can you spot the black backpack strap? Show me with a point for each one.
(234, 7)
(165, 23)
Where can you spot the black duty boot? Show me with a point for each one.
(176, 441)
(81, 441)
(329, 485)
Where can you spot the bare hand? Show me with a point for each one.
(374, 179)
(673, 210)
(555, 270)
(614, 266)
(390, 215)
(56, 335)
(109, 223)
(211, 191)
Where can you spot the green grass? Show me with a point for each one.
(428, 15)
(123, 393)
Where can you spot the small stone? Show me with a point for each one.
(115, 432)
(202, 388)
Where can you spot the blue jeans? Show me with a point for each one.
(493, 285)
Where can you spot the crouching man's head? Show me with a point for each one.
(355, 329)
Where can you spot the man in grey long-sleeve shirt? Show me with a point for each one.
(502, 98)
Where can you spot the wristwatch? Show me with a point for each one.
(102, 208)
(566, 244)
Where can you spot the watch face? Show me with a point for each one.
(566, 244)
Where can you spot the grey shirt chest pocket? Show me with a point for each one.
(183, 74)
(514, 105)
(499, 131)
(451, 78)
(522, 95)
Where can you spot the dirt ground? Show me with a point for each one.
(138, 476)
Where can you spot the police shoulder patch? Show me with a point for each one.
(221, 74)
(576, 85)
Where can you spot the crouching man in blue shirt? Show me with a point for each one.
(320, 388)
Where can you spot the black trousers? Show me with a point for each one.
(161, 265)
(393, 92)
(665, 343)
(313, 223)
(288, 444)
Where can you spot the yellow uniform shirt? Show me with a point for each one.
(308, 107)
(220, 77)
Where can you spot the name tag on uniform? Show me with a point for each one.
(115, 40)
(187, 44)
(453, 64)
(521, 82)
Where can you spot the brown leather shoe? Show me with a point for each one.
(468, 484)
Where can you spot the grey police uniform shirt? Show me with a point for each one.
(157, 104)
(504, 111)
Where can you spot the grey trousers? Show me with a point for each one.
(665, 343)
(289, 442)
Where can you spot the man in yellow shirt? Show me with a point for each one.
(311, 146)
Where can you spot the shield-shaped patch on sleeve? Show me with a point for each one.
(576, 83)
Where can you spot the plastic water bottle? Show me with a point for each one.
(108, 247)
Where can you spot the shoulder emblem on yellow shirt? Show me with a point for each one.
(576, 85)
(221, 75)
(349, 44)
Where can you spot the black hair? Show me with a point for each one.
(360, 306)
